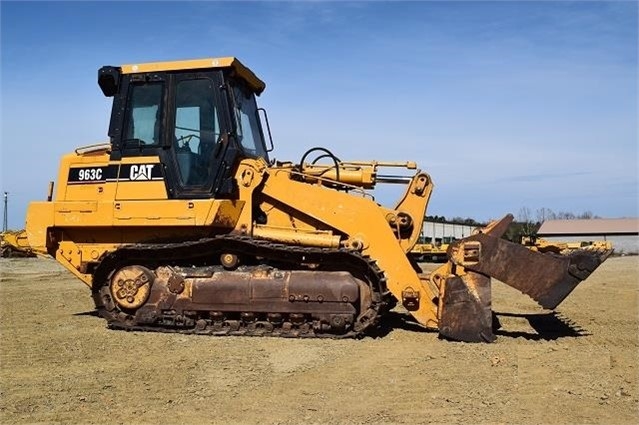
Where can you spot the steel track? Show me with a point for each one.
(204, 252)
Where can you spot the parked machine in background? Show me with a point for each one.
(431, 250)
(604, 248)
(14, 243)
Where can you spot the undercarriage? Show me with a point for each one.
(238, 286)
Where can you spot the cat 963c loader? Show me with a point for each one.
(182, 223)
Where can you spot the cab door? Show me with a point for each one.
(201, 156)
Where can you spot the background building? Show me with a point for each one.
(622, 232)
(439, 230)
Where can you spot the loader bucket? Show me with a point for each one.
(465, 307)
(547, 278)
(466, 313)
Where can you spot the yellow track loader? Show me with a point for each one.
(182, 223)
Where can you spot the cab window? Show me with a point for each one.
(143, 116)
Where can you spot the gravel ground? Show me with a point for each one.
(59, 364)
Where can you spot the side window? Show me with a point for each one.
(196, 130)
(143, 116)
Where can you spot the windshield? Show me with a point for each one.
(249, 133)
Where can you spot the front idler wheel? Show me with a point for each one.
(130, 287)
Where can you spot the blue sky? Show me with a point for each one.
(505, 104)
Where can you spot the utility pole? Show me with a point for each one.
(4, 223)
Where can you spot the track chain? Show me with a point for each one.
(205, 251)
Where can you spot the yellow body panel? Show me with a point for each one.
(131, 190)
(85, 220)
(40, 217)
(100, 190)
(84, 231)
(95, 192)
(66, 191)
(176, 212)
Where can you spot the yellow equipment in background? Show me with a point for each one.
(425, 250)
(182, 223)
(563, 247)
(15, 244)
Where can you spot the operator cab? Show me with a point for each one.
(199, 116)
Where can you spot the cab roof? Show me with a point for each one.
(226, 62)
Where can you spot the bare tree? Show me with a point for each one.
(563, 215)
(544, 214)
(586, 215)
(525, 218)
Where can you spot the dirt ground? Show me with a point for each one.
(59, 364)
